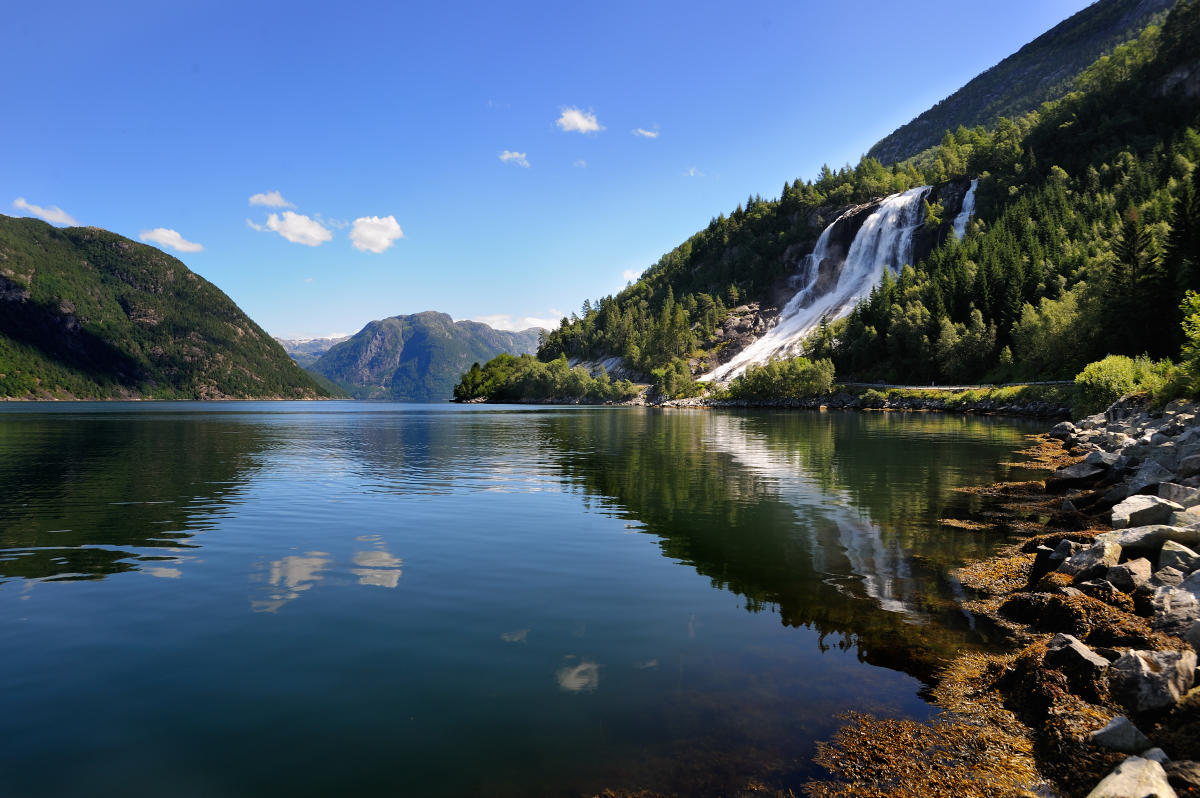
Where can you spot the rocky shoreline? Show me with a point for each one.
(895, 401)
(1103, 601)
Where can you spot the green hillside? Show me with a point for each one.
(1042, 70)
(416, 358)
(89, 314)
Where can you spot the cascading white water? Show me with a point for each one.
(968, 209)
(883, 241)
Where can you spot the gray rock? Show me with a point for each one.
(1149, 539)
(1103, 459)
(1068, 654)
(1147, 680)
(1166, 577)
(1178, 556)
(1121, 735)
(1092, 562)
(1157, 754)
(1193, 635)
(1183, 774)
(1071, 592)
(1092, 422)
(1188, 517)
(1065, 549)
(1130, 575)
(1076, 475)
(1115, 441)
(1063, 430)
(1159, 438)
(1189, 466)
(1175, 609)
(1135, 778)
(1142, 510)
(1150, 475)
(1180, 494)
(1068, 506)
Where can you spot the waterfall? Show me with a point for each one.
(968, 209)
(883, 241)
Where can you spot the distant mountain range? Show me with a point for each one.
(1040, 71)
(417, 358)
(85, 313)
(305, 351)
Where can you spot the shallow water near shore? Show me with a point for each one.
(382, 599)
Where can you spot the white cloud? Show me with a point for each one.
(629, 275)
(578, 120)
(375, 233)
(254, 226)
(296, 227)
(52, 214)
(646, 134)
(509, 321)
(272, 199)
(169, 238)
(508, 156)
(580, 164)
(693, 172)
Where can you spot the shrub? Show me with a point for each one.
(1105, 381)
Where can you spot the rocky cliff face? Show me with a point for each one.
(417, 358)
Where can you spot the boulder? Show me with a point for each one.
(1142, 510)
(1186, 517)
(1114, 441)
(1189, 465)
(1149, 476)
(1157, 754)
(1131, 575)
(1104, 460)
(1092, 562)
(1063, 430)
(1135, 778)
(1121, 735)
(1178, 556)
(1193, 635)
(1180, 494)
(1149, 539)
(1074, 476)
(1166, 577)
(1065, 549)
(1068, 654)
(1148, 680)
(1175, 609)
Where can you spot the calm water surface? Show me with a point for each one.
(302, 599)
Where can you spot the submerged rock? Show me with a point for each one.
(1147, 680)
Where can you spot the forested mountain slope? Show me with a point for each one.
(416, 358)
(1040, 71)
(85, 313)
(1083, 241)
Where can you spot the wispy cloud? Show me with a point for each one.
(272, 199)
(580, 164)
(52, 213)
(165, 237)
(375, 233)
(508, 156)
(295, 227)
(693, 172)
(629, 275)
(575, 119)
(646, 134)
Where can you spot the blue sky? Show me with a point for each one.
(480, 159)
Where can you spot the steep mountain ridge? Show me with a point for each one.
(416, 358)
(86, 313)
(1040, 71)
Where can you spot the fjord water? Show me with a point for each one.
(374, 599)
